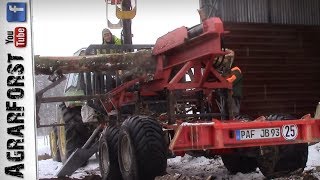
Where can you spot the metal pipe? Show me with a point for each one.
(198, 115)
(92, 137)
(61, 124)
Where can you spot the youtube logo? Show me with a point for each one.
(18, 37)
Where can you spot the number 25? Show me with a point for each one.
(290, 131)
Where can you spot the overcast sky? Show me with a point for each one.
(61, 27)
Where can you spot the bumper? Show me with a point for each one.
(226, 134)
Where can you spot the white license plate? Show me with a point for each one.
(263, 133)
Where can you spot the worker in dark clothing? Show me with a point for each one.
(233, 75)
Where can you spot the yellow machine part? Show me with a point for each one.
(53, 143)
(62, 139)
(126, 14)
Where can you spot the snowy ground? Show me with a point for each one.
(49, 168)
(192, 167)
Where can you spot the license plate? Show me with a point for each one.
(263, 133)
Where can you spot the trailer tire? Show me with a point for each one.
(74, 134)
(239, 162)
(108, 154)
(243, 117)
(282, 160)
(142, 149)
(54, 149)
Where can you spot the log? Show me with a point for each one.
(138, 61)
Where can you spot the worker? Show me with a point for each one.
(109, 38)
(234, 76)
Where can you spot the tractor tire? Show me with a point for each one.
(54, 149)
(282, 160)
(74, 134)
(240, 162)
(142, 149)
(108, 154)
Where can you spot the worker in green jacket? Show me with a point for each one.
(109, 38)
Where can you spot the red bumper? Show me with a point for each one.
(235, 134)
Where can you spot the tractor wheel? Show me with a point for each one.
(240, 162)
(142, 149)
(74, 134)
(55, 154)
(282, 160)
(108, 154)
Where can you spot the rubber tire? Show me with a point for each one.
(75, 132)
(282, 160)
(109, 139)
(238, 162)
(54, 148)
(148, 151)
(243, 117)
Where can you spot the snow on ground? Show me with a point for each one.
(197, 167)
(314, 156)
(49, 168)
(202, 167)
(43, 145)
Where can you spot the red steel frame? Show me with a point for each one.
(176, 52)
(221, 134)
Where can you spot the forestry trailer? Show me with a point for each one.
(151, 103)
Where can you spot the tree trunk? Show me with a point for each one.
(140, 61)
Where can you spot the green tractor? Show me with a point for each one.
(80, 112)
(65, 139)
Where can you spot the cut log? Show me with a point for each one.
(138, 61)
